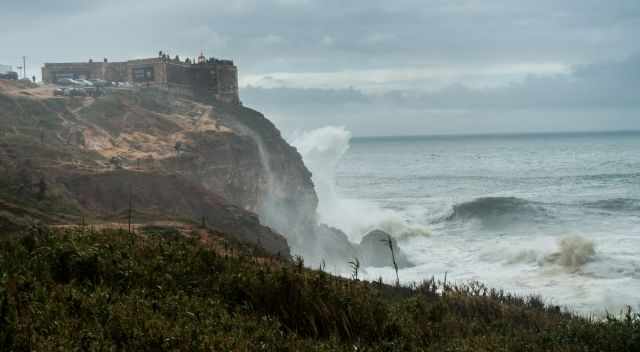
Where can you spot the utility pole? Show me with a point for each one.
(24, 67)
(130, 215)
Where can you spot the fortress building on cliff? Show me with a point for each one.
(201, 77)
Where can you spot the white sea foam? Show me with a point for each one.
(569, 252)
(498, 209)
(573, 252)
(321, 150)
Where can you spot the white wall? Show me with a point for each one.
(5, 68)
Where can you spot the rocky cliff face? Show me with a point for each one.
(66, 160)
(175, 157)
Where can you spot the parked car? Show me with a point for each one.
(84, 82)
(100, 83)
(58, 92)
(66, 82)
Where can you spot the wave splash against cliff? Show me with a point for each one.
(322, 149)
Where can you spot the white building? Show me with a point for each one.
(5, 68)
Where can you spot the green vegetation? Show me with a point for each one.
(111, 291)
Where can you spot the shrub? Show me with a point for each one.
(79, 290)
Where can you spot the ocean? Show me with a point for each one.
(556, 215)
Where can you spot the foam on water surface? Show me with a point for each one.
(556, 215)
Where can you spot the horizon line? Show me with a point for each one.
(499, 134)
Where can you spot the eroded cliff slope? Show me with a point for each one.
(66, 159)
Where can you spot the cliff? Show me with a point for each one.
(73, 159)
(70, 160)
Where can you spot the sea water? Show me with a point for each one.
(556, 215)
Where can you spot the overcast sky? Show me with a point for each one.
(376, 67)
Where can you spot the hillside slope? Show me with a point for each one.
(84, 159)
(164, 291)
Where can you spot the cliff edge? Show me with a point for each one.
(153, 154)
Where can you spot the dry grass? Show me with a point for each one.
(161, 290)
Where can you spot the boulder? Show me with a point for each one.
(374, 251)
(327, 245)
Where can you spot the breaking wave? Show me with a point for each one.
(574, 252)
(321, 150)
(497, 210)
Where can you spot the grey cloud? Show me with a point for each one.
(47, 7)
(410, 32)
(606, 84)
(270, 36)
(596, 96)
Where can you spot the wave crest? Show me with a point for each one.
(402, 230)
(496, 210)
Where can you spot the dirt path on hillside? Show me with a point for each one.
(132, 145)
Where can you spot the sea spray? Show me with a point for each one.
(291, 213)
(574, 252)
(570, 253)
(546, 190)
(322, 149)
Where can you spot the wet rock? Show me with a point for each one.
(374, 251)
(330, 245)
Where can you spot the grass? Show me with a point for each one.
(159, 291)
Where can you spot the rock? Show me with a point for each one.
(160, 197)
(182, 159)
(328, 245)
(374, 251)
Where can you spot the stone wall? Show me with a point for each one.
(157, 66)
(218, 78)
(52, 72)
(227, 84)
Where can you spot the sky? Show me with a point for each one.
(403, 67)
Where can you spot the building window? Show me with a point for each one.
(143, 74)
